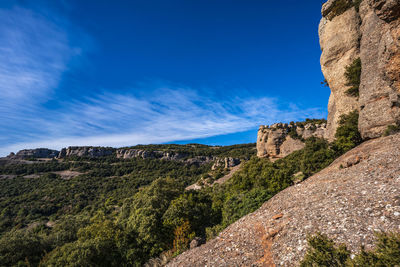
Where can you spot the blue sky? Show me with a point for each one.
(119, 73)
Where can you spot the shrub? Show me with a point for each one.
(183, 235)
(347, 134)
(391, 129)
(339, 7)
(353, 74)
(356, 4)
(323, 251)
(386, 252)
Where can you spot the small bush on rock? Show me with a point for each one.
(391, 129)
(353, 76)
(347, 134)
(339, 7)
(323, 251)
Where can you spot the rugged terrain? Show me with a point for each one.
(281, 139)
(355, 196)
(367, 30)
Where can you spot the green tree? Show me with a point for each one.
(347, 134)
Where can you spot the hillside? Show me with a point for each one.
(241, 205)
(355, 196)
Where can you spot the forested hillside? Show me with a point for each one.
(107, 211)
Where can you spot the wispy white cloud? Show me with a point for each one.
(169, 115)
(35, 52)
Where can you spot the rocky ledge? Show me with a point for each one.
(86, 151)
(34, 153)
(357, 195)
(279, 140)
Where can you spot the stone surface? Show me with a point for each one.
(196, 242)
(128, 153)
(227, 162)
(355, 196)
(380, 56)
(339, 41)
(274, 142)
(85, 151)
(372, 34)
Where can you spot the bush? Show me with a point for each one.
(323, 251)
(386, 252)
(347, 134)
(339, 7)
(353, 76)
(391, 129)
(356, 4)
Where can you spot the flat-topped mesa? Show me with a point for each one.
(34, 153)
(85, 151)
(279, 140)
(361, 62)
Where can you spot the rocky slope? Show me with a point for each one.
(275, 141)
(355, 196)
(370, 31)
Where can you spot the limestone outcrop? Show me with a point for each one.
(226, 163)
(279, 140)
(339, 40)
(370, 31)
(34, 153)
(129, 153)
(86, 151)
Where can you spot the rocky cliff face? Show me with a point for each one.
(355, 196)
(369, 31)
(140, 153)
(34, 153)
(225, 163)
(279, 140)
(85, 151)
(128, 153)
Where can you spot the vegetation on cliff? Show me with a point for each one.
(353, 77)
(341, 6)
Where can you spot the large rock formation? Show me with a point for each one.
(129, 153)
(34, 153)
(86, 151)
(339, 40)
(380, 57)
(226, 163)
(370, 32)
(355, 196)
(275, 141)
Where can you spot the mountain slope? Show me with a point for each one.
(355, 196)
